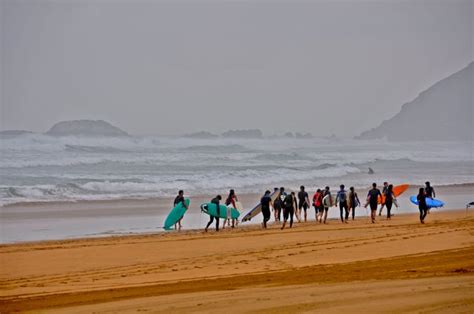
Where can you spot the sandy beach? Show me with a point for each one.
(392, 266)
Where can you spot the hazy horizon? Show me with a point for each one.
(174, 68)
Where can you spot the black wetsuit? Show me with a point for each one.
(422, 206)
(289, 209)
(302, 197)
(374, 195)
(342, 197)
(265, 201)
(179, 199)
(277, 205)
(388, 202)
(354, 201)
(215, 200)
(429, 191)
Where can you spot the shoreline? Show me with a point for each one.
(55, 221)
(253, 269)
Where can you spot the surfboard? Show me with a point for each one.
(211, 210)
(397, 190)
(257, 209)
(176, 214)
(326, 201)
(430, 202)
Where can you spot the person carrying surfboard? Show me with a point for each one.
(230, 201)
(266, 202)
(372, 200)
(341, 197)
(384, 190)
(277, 204)
(216, 200)
(429, 191)
(179, 199)
(421, 198)
(303, 203)
(327, 202)
(289, 209)
(389, 200)
(353, 201)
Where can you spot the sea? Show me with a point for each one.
(41, 168)
(37, 168)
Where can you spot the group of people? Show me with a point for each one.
(292, 204)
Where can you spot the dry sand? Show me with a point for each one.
(392, 266)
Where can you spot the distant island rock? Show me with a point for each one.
(201, 135)
(13, 133)
(253, 133)
(442, 112)
(85, 128)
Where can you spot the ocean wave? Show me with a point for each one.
(230, 148)
(93, 149)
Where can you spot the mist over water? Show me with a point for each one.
(37, 167)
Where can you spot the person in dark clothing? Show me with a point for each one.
(384, 190)
(266, 202)
(277, 205)
(179, 199)
(216, 200)
(389, 197)
(289, 209)
(372, 199)
(421, 198)
(429, 191)
(303, 203)
(353, 201)
(341, 197)
(327, 202)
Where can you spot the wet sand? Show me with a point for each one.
(397, 266)
(67, 220)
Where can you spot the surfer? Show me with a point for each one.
(327, 202)
(179, 199)
(371, 171)
(230, 201)
(384, 190)
(277, 203)
(266, 202)
(303, 203)
(342, 198)
(353, 201)
(389, 199)
(318, 205)
(216, 200)
(429, 191)
(372, 199)
(289, 209)
(421, 198)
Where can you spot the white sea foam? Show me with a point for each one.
(42, 168)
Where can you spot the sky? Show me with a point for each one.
(176, 67)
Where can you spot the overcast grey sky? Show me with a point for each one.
(153, 67)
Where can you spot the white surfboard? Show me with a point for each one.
(258, 208)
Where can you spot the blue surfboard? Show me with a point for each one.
(430, 202)
(176, 214)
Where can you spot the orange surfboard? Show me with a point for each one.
(397, 190)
